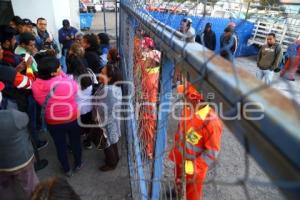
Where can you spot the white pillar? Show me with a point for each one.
(54, 11)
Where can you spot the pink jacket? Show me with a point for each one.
(62, 107)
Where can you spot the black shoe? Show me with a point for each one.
(42, 144)
(106, 168)
(87, 144)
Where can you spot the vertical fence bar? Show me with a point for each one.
(104, 16)
(117, 29)
(167, 71)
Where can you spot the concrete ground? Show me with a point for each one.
(290, 89)
(89, 182)
(99, 25)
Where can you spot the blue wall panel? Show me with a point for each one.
(243, 29)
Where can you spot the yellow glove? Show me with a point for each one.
(189, 167)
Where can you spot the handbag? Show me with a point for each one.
(97, 135)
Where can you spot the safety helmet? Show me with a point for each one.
(187, 19)
(190, 92)
(147, 42)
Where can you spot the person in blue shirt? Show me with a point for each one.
(66, 36)
(228, 44)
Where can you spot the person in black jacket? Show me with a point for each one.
(207, 37)
(228, 43)
(91, 46)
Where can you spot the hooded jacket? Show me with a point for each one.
(16, 150)
(62, 107)
(207, 38)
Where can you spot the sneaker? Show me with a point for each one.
(42, 144)
(78, 168)
(87, 144)
(69, 174)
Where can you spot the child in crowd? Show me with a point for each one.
(113, 56)
(104, 48)
(107, 112)
(85, 79)
(56, 92)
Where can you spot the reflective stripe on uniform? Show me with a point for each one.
(153, 70)
(187, 156)
(212, 153)
(207, 159)
(23, 83)
(194, 148)
(208, 155)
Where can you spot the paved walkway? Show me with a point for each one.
(290, 89)
(89, 182)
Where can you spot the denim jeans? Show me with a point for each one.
(34, 112)
(59, 134)
(265, 75)
(62, 60)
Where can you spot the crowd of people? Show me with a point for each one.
(70, 89)
(270, 57)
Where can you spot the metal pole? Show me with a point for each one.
(117, 35)
(247, 12)
(104, 16)
(167, 71)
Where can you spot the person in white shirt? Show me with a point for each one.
(187, 29)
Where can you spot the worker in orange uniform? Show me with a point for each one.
(197, 144)
(293, 62)
(150, 79)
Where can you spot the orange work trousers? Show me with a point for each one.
(194, 183)
(290, 67)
